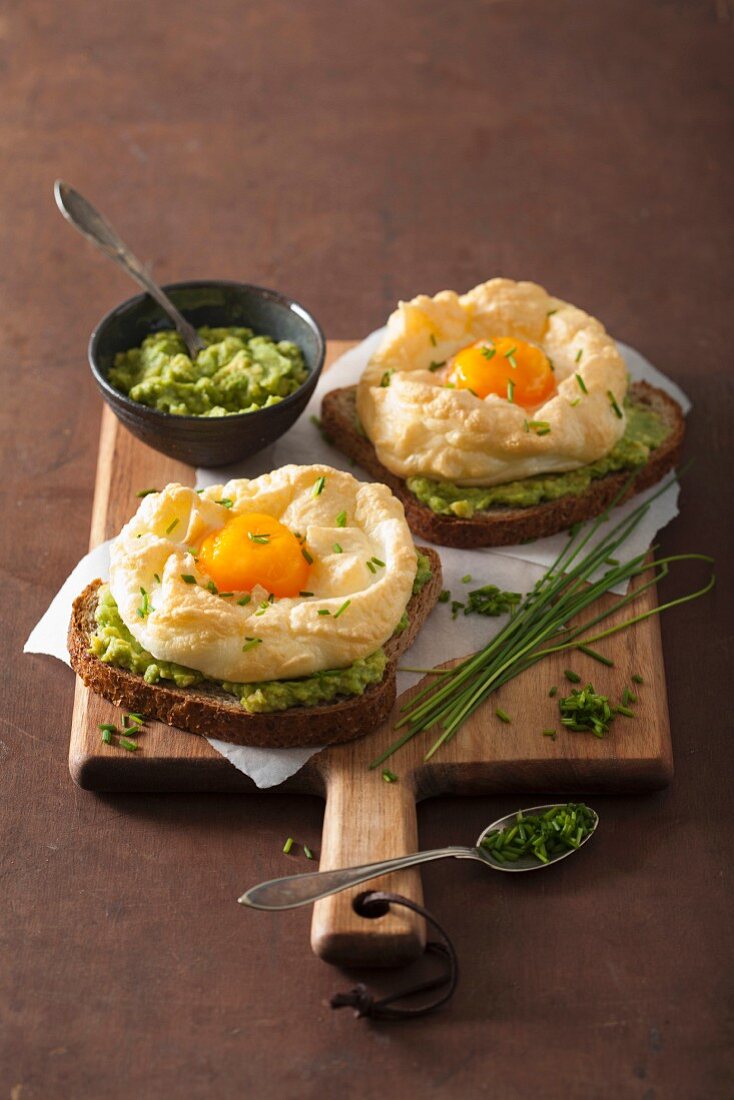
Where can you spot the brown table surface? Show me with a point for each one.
(351, 154)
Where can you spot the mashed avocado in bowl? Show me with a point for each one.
(255, 377)
(238, 372)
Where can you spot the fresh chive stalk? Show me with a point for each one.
(288, 845)
(549, 620)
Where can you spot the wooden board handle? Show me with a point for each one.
(363, 823)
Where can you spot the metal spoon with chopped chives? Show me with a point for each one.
(526, 840)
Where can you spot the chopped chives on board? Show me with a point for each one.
(107, 736)
(389, 777)
(572, 676)
(597, 656)
(131, 746)
(288, 845)
(637, 679)
(553, 692)
(307, 852)
(503, 715)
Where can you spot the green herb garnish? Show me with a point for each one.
(433, 366)
(579, 354)
(306, 555)
(146, 493)
(489, 352)
(212, 588)
(337, 548)
(244, 600)
(596, 656)
(341, 519)
(444, 596)
(637, 679)
(187, 578)
(319, 486)
(172, 525)
(503, 716)
(305, 593)
(541, 837)
(250, 643)
(571, 675)
(106, 735)
(582, 384)
(307, 852)
(145, 608)
(343, 607)
(585, 710)
(323, 611)
(225, 502)
(288, 845)
(370, 566)
(389, 777)
(380, 564)
(511, 392)
(613, 402)
(263, 538)
(466, 578)
(549, 733)
(126, 743)
(385, 380)
(553, 692)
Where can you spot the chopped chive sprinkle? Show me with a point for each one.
(323, 611)
(503, 715)
(551, 312)
(466, 578)
(628, 697)
(262, 608)
(107, 736)
(389, 777)
(575, 402)
(307, 852)
(225, 595)
(585, 710)
(145, 608)
(212, 587)
(542, 837)
(445, 596)
(263, 538)
(288, 845)
(377, 562)
(611, 561)
(337, 548)
(433, 366)
(553, 692)
(613, 402)
(305, 593)
(271, 597)
(432, 338)
(319, 486)
(199, 491)
(549, 733)
(250, 643)
(582, 384)
(385, 380)
(225, 502)
(579, 354)
(637, 679)
(341, 519)
(146, 493)
(370, 566)
(187, 578)
(511, 391)
(572, 676)
(343, 607)
(156, 578)
(172, 525)
(625, 711)
(488, 352)
(244, 600)
(126, 743)
(138, 717)
(306, 555)
(540, 427)
(107, 727)
(597, 656)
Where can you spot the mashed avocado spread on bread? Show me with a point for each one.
(645, 431)
(237, 372)
(113, 644)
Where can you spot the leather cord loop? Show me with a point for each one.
(375, 904)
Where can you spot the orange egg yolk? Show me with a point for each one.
(255, 549)
(510, 368)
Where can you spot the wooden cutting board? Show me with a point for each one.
(367, 819)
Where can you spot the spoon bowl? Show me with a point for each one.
(293, 891)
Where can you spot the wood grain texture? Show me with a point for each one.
(350, 155)
(367, 819)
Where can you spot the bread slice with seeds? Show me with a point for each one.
(206, 709)
(503, 525)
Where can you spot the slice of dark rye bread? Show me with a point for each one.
(505, 526)
(207, 710)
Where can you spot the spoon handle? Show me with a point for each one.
(295, 890)
(95, 227)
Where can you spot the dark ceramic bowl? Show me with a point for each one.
(202, 440)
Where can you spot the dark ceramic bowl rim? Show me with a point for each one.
(191, 284)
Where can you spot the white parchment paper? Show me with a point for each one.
(515, 568)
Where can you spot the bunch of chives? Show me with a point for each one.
(542, 625)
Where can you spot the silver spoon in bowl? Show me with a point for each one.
(95, 227)
(294, 890)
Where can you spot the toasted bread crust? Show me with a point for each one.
(502, 526)
(212, 713)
